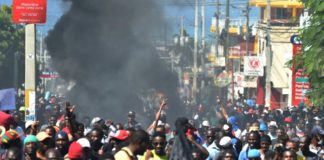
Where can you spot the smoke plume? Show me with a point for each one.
(105, 47)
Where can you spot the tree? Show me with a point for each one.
(312, 59)
(11, 48)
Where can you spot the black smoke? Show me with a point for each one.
(106, 48)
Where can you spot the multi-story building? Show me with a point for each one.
(284, 23)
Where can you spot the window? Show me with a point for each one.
(281, 13)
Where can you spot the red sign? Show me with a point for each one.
(235, 52)
(299, 82)
(239, 51)
(29, 11)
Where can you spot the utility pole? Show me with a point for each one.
(181, 28)
(217, 27)
(247, 33)
(269, 58)
(30, 62)
(181, 50)
(195, 53)
(203, 44)
(226, 44)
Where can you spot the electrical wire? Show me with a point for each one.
(187, 3)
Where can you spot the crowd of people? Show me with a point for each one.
(242, 131)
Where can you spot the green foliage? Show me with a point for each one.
(11, 42)
(312, 60)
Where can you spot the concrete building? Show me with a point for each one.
(284, 23)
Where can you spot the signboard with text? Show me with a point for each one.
(29, 11)
(49, 75)
(235, 52)
(300, 82)
(30, 104)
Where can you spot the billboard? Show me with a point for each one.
(299, 82)
(29, 11)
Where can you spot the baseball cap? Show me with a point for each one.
(42, 136)
(22, 108)
(121, 135)
(131, 113)
(225, 141)
(273, 124)
(28, 123)
(254, 128)
(95, 120)
(288, 120)
(263, 127)
(254, 153)
(75, 151)
(226, 127)
(232, 120)
(205, 123)
(84, 142)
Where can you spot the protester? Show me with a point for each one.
(158, 152)
(52, 154)
(62, 143)
(208, 136)
(138, 143)
(31, 145)
(242, 130)
(13, 153)
(253, 144)
(226, 155)
(45, 142)
(132, 123)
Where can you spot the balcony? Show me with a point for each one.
(277, 3)
(282, 22)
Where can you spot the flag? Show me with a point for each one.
(7, 99)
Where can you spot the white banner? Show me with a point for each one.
(253, 66)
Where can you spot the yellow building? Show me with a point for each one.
(284, 23)
(282, 11)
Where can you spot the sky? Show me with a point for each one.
(184, 8)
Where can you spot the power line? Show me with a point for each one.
(187, 3)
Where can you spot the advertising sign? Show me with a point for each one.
(300, 83)
(253, 66)
(30, 105)
(223, 79)
(235, 52)
(29, 11)
(49, 75)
